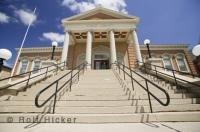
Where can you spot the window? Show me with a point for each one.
(36, 66)
(23, 67)
(167, 62)
(180, 59)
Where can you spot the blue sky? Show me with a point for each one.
(162, 21)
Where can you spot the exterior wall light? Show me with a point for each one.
(5, 54)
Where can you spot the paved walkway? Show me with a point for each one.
(127, 127)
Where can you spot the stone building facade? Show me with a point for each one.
(100, 37)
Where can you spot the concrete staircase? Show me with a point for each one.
(102, 96)
(24, 101)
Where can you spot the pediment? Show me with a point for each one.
(99, 13)
(99, 16)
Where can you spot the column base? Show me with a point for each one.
(88, 66)
(113, 66)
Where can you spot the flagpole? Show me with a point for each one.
(22, 44)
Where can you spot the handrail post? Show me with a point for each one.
(28, 79)
(46, 71)
(175, 79)
(70, 87)
(83, 68)
(118, 67)
(156, 73)
(124, 72)
(149, 98)
(55, 97)
(145, 68)
(132, 79)
(78, 72)
(56, 69)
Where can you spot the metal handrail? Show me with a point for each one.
(63, 64)
(180, 72)
(147, 86)
(56, 82)
(173, 76)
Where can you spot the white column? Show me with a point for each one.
(65, 48)
(137, 47)
(88, 56)
(112, 47)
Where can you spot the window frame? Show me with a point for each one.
(184, 59)
(20, 65)
(171, 61)
(33, 64)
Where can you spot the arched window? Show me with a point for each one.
(180, 59)
(36, 65)
(23, 66)
(167, 61)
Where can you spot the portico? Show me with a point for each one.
(99, 27)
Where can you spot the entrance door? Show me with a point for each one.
(101, 64)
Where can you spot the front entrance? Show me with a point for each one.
(101, 64)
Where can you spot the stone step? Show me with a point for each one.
(70, 103)
(127, 109)
(21, 109)
(104, 109)
(162, 96)
(138, 102)
(97, 92)
(140, 91)
(94, 85)
(105, 118)
(172, 101)
(77, 89)
(73, 97)
(102, 97)
(104, 74)
(98, 82)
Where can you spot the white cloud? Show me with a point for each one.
(75, 6)
(4, 18)
(53, 36)
(26, 16)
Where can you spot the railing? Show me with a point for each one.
(173, 70)
(124, 69)
(173, 76)
(57, 88)
(28, 76)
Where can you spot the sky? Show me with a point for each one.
(161, 21)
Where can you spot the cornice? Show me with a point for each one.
(142, 47)
(85, 25)
(40, 49)
(165, 47)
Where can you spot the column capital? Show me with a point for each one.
(67, 31)
(89, 31)
(133, 29)
(111, 30)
